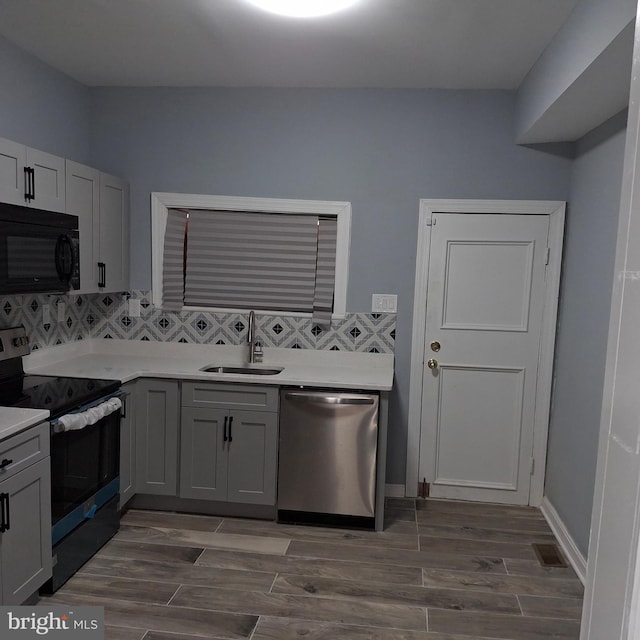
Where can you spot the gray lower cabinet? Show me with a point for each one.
(128, 444)
(157, 415)
(203, 457)
(25, 495)
(253, 457)
(228, 443)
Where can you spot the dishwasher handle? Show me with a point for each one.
(329, 399)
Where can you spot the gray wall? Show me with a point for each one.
(567, 58)
(583, 321)
(41, 107)
(380, 150)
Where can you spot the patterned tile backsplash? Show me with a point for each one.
(106, 316)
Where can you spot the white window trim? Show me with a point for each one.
(161, 202)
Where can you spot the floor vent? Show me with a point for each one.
(549, 555)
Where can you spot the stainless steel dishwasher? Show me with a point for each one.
(327, 457)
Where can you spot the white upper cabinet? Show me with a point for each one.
(101, 203)
(13, 159)
(114, 234)
(83, 200)
(31, 177)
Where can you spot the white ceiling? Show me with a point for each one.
(458, 44)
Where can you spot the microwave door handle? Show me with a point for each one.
(64, 258)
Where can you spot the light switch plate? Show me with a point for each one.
(134, 308)
(384, 303)
(61, 308)
(46, 314)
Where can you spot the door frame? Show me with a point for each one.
(556, 211)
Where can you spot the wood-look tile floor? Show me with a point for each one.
(440, 571)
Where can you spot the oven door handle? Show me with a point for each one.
(88, 417)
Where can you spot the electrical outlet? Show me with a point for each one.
(61, 311)
(46, 314)
(384, 303)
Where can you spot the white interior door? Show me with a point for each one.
(485, 302)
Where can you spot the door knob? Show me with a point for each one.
(432, 364)
(435, 346)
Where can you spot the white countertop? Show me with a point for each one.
(126, 360)
(14, 419)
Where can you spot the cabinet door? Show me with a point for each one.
(25, 548)
(128, 444)
(156, 416)
(49, 180)
(83, 193)
(12, 162)
(203, 453)
(252, 457)
(114, 232)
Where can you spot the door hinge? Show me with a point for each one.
(546, 261)
(533, 465)
(431, 222)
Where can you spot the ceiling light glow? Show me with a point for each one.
(303, 8)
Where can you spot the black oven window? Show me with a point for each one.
(82, 462)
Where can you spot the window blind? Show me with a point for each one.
(325, 271)
(173, 260)
(250, 260)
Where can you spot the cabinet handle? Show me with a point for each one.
(5, 462)
(230, 425)
(225, 429)
(8, 525)
(32, 171)
(4, 510)
(27, 184)
(123, 410)
(102, 274)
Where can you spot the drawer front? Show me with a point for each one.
(230, 396)
(24, 449)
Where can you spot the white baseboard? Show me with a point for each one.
(571, 551)
(394, 491)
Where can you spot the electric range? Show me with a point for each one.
(85, 453)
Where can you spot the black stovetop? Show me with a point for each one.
(57, 394)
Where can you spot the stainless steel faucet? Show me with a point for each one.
(251, 336)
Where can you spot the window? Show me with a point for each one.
(281, 256)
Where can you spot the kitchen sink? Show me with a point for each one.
(248, 370)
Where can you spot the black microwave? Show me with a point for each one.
(39, 251)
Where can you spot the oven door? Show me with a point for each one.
(84, 472)
(38, 257)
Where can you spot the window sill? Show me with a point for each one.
(262, 312)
